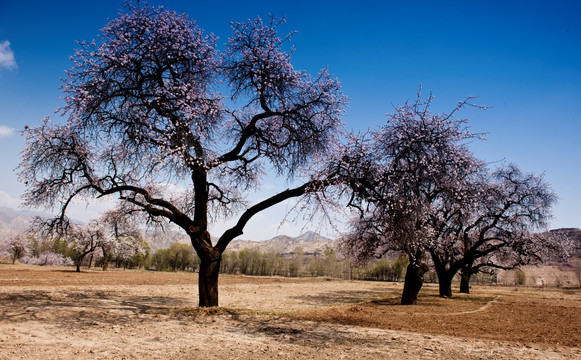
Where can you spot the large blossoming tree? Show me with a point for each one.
(154, 102)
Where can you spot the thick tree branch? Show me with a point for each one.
(237, 230)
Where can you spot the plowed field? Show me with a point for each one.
(55, 313)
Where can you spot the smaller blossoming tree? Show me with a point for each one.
(84, 240)
(15, 245)
(503, 227)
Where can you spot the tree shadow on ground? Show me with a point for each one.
(342, 297)
(302, 333)
(78, 309)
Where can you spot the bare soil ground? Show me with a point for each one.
(55, 313)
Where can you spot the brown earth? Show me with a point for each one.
(55, 313)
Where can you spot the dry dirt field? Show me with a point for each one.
(55, 313)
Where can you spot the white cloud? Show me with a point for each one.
(7, 200)
(7, 59)
(6, 131)
(81, 210)
(78, 210)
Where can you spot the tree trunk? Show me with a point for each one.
(79, 262)
(414, 279)
(208, 282)
(445, 284)
(465, 282)
(105, 259)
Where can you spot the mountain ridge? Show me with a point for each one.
(12, 220)
(310, 242)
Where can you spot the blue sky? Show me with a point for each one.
(521, 58)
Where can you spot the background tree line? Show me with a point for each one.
(128, 253)
(84, 249)
(135, 254)
(253, 262)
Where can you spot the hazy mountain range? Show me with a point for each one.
(16, 220)
(310, 242)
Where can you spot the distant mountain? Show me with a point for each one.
(310, 242)
(20, 220)
(16, 220)
(163, 239)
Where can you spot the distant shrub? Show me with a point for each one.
(49, 258)
(578, 271)
(520, 278)
(179, 256)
